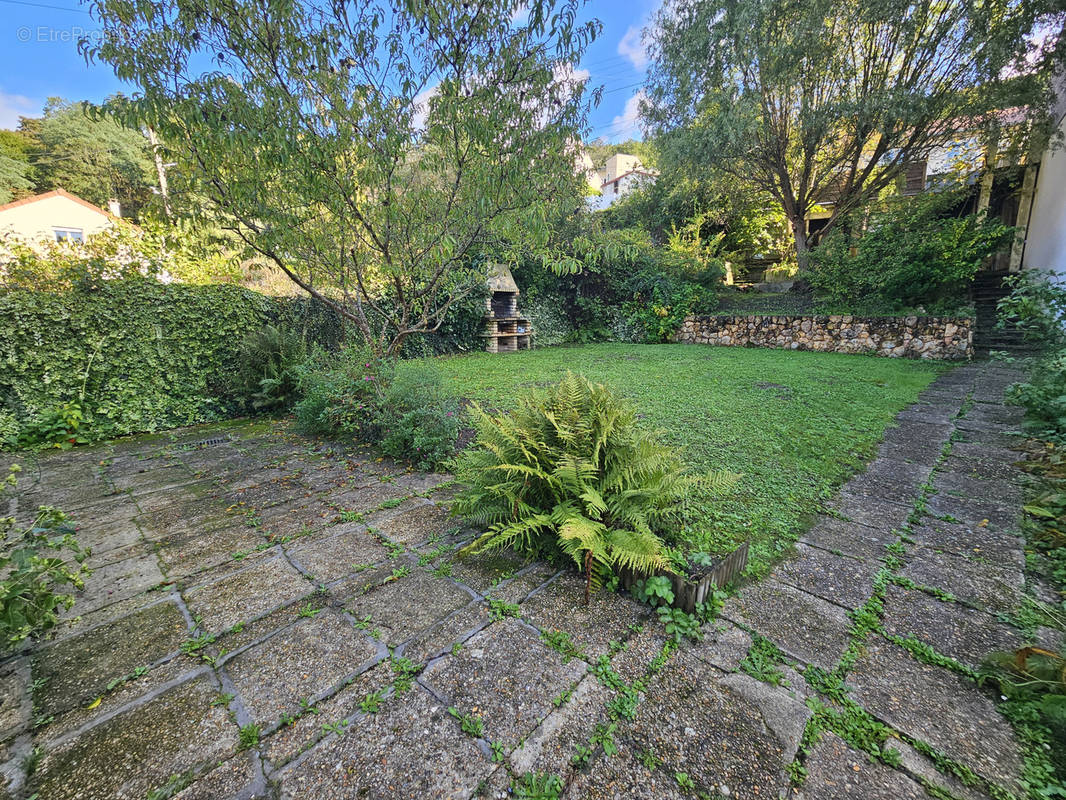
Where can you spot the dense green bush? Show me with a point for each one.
(1037, 306)
(1044, 398)
(410, 415)
(268, 367)
(569, 472)
(418, 418)
(626, 288)
(341, 392)
(132, 355)
(910, 252)
(36, 562)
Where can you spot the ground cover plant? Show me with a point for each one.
(795, 425)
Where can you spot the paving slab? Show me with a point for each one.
(77, 670)
(339, 709)
(838, 772)
(118, 581)
(241, 596)
(951, 629)
(806, 627)
(849, 538)
(303, 661)
(239, 778)
(550, 748)
(402, 608)
(973, 541)
(869, 510)
(411, 748)
(416, 521)
(338, 551)
(453, 630)
(731, 734)
(965, 485)
(624, 776)
(366, 499)
(973, 511)
(839, 579)
(484, 571)
(981, 583)
(138, 750)
(939, 707)
(608, 617)
(984, 466)
(507, 676)
(184, 555)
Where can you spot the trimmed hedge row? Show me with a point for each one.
(137, 355)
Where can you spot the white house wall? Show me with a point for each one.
(1045, 242)
(39, 219)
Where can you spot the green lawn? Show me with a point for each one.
(796, 424)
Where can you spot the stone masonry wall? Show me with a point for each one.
(894, 337)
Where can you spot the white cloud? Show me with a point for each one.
(520, 15)
(420, 106)
(568, 76)
(633, 48)
(13, 106)
(627, 124)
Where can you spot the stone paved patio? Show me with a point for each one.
(272, 616)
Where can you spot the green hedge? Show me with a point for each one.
(137, 355)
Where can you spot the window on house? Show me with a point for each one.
(69, 234)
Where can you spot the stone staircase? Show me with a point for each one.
(987, 291)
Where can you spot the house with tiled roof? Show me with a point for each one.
(56, 216)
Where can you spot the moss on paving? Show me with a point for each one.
(796, 424)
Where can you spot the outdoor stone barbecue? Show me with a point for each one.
(505, 330)
(894, 337)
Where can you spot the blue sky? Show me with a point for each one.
(39, 59)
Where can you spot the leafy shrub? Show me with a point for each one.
(341, 392)
(548, 318)
(419, 419)
(910, 252)
(1044, 398)
(36, 563)
(622, 286)
(570, 472)
(269, 360)
(59, 426)
(1036, 305)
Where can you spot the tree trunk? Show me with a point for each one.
(799, 234)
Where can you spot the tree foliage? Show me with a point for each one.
(91, 154)
(829, 100)
(365, 149)
(905, 253)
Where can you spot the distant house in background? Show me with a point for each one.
(56, 216)
(618, 177)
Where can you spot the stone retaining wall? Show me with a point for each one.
(895, 337)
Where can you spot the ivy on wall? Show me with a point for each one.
(135, 355)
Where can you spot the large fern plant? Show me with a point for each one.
(569, 470)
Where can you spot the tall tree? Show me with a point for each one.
(16, 174)
(830, 99)
(91, 154)
(365, 149)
